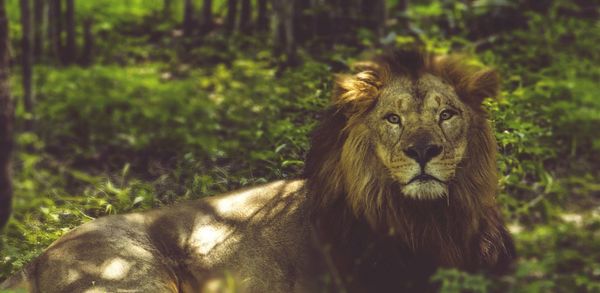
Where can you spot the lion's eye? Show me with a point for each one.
(446, 114)
(393, 118)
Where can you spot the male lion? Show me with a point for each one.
(400, 180)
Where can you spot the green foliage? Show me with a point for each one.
(546, 123)
(113, 12)
(162, 118)
(455, 281)
(113, 139)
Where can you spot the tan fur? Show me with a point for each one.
(347, 227)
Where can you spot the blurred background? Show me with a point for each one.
(123, 105)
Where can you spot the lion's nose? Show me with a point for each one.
(423, 153)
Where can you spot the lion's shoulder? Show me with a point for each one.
(255, 201)
(258, 231)
(269, 213)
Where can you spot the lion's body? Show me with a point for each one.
(400, 180)
(255, 240)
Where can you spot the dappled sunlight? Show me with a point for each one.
(514, 228)
(72, 276)
(205, 237)
(249, 203)
(225, 219)
(96, 290)
(231, 205)
(136, 218)
(137, 252)
(223, 284)
(115, 269)
(572, 218)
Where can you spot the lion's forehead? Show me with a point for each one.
(417, 98)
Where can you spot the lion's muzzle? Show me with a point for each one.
(423, 153)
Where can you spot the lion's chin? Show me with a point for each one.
(425, 190)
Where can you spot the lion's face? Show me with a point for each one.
(405, 126)
(407, 147)
(418, 130)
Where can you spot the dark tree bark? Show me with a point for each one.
(374, 12)
(402, 5)
(88, 43)
(400, 13)
(188, 18)
(6, 122)
(380, 18)
(207, 16)
(38, 18)
(262, 19)
(304, 28)
(50, 27)
(55, 29)
(27, 59)
(167, 8)
(351, 9)
(245, 13)
(231, 15)
(285, 40)
(70, 50)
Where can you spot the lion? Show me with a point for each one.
(400, 180)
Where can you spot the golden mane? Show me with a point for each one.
(349, 188)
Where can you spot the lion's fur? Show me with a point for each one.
(347, 218)
(348, 183)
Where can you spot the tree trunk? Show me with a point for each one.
(70, 52)
(38, 28)
(303, 28)
(6, 122)
(400, 13)
(290, 38)
(188, 18)
(50, 28)
(374, 12)
(26, 59)
(402, 6)
(245, 13)
(207, 16)
(285, 40)
(231, 15)
(167, 8)
(55, 29)
(88, 43)
(380, 18)
(262, 20)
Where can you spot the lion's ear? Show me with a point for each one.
(355, 93)
(483, 84)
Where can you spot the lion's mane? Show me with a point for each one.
(360, 206)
